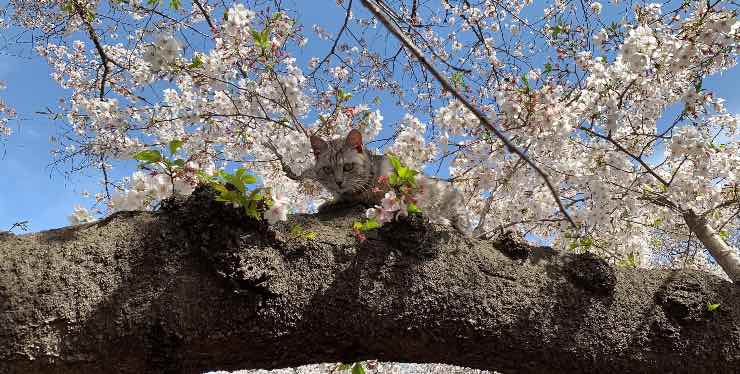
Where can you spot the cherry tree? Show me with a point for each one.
(586, 126)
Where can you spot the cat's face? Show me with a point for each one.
(341, 165)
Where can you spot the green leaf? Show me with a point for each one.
(724, 234)
(203, 177)
(249, 179)
(556, 30)
(343, 96)
(404, 172)
(148, 156)
(175, 145)
(395, 162)
(548, 68)
(358, 368)
(368, 224)
(344, 367)
(197, 62)
(68, 7)
(411, 208)
(179, 162)
(261, 38)
(256, 195)
(175, 4)
(629, 262)
(458, 78)
(152, 2)
(587, 243)
(712, 307)
(697, 86)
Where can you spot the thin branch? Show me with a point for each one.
(628, 153)
(104, 59)
(286, 169)
(105, 177)
(373, 7)
(336, 40)
(206, 16)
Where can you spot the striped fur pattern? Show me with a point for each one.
(346, 169)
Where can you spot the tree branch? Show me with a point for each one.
(199, 287)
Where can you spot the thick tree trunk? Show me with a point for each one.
(197, 287)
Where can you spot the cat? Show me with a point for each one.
(350, 173)
(348, 170)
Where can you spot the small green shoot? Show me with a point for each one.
(262, 39)
(298, 232)
(724, 234)
(712, 307)
(458, 78)
(356, 367)
(402, 175)
(411, 208)
(232, 188)
(630, 262)
(196, 62)
(366, 225)
(343, 96)
(548, 68)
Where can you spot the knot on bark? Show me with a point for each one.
(684, 299)
(412, 235)
(224, 234)
(511, 245)
(591, 273)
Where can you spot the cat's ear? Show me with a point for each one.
(354, 140)
(318, 145)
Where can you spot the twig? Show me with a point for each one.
(286, 169)
(628, 153)
(336, 40)
(104, 59)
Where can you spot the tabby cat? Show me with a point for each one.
(350, 172)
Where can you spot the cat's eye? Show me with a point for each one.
(327, 169)
(349, 167)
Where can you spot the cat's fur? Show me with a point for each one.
(350, 172)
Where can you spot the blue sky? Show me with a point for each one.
(31, 190)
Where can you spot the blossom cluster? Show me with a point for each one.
(391, 208)
(145, 189)
(6, 113)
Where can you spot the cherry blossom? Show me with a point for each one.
(585, 95)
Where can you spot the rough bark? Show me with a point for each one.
(198, 286)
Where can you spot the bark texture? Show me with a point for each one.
(198, 287)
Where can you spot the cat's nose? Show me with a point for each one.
(339, 183)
